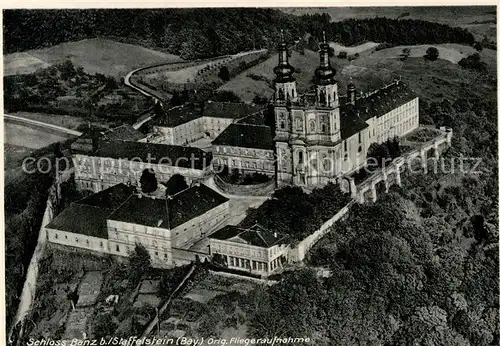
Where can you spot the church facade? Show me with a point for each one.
(320, 136)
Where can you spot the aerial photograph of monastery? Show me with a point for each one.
(251, 176)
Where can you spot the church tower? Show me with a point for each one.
(326, 85)
(284, 84)
(307, 128)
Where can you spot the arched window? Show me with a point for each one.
(323, 127)
(334, 96)
(282, 124)
(312, 126)
(301, 157)
(293, 93)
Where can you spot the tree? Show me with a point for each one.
(478, 46)
(139, 263)
(432, 53)
(148, 181)
(104, 326)
(378, 153)
(473, 62)
(226, 96)
(224, 73)
(67, 70)
(260, 100)
(175, 184)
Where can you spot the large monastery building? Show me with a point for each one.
(315, 138)
(114, 220)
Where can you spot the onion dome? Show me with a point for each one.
(325, 72)
(284, 70)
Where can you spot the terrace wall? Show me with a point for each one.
(298, 252)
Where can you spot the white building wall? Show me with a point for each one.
(78, 240)
(192, 131)
(99, 173)
(200, 227)
(248, 257)
(244, 159)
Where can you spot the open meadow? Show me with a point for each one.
(94, 55)
(370, 71)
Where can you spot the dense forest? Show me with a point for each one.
(200, 33)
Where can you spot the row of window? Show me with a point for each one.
(299, 126)
(247, 264)
(249, 164)
(77, 240)
(245, 151)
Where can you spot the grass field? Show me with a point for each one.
(258, 79)
(371, 70)
(94, 55)
(448, 51)
(22, 63)
(353, 50)
(23, 135)
(67, 121)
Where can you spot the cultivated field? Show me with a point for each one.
(94, 55)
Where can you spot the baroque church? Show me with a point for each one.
(320, 136)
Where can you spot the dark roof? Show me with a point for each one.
(228, 109)
(255, 235)
(88, 216)
(111, 198)
(376, 104)
(185, 113)
(123, 133)
(187, 157)
(383, 100)
(182, 207)
(246, 136)
(350, 123)
(82, 219)
(179, 115)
